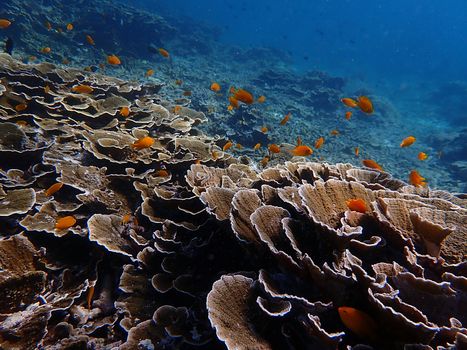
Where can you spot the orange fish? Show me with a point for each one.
(274, 148)
(257, 146)
(238, 146)
(244, 96)
(264, 161)
(334, 132)
(125, 111)
(299, 140)
(65, 222)
(149, 73)
(422, 156)
(365, 104)
(69, 26)
(349, 102)
(178, 82)
(187, 93)
(22, 123)
(215, 154)
(82, 89)
(54, 188)
(370, 163)
(357, 151)
(145, 142)
(46, 50)
(90, 40)
(230, 108)
(162, 173)
(114, 60)
(261, 99)
(4, 23)
(233, 102)
(48, 25)
(416, 179)
(227, 146)
(177, 109)
(164, 52)
(302, 151)
(264, 129)
(286, 118)
(198, 161)
(358, 322)
(407, 141)
(32, 58)
(319, 142)
(357, 204)
(215, 87)
(348, 115)
(21, 107)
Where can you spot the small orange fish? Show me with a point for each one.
(187, 93)
(126, 219)
(178, 82)
(232, 90)
(230, 108)
(177, 109)
(357, 204)
(299, 140)
(54, 188)
(89, 296)
(90, 40)
(65, 222)
(145, 142)
(358, 322)
(233, 102)
(286, 118)
(164, 52)
(261, 99)
(370, 163)
(114, 60)
(302, 151)
(82, 89)
(238, 146)
(264, 129)
(264, 161)
(416, 179)
(4, 23)
(48, 25)
(46, 50)
(257, 146)
(149, 73)
(334, 132)
(348, 115)
(422, 156)
(365, 104)
(215, 155)
(69, 26)
(21, 107)
(198, 161)
(407, 141)
(215, 87)
(319, 142)
(349, 102)
(244, 96)
(32, 58)
(357, 151)
(227, 146)
(125, 111)
(274, 148)
(22, 123)
(162, 173)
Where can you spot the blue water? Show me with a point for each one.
(375, 40)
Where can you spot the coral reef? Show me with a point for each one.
(180, 245)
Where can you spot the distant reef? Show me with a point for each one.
(124, 226)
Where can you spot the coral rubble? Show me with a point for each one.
(179, 245)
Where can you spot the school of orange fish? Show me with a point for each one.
(355, 320)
